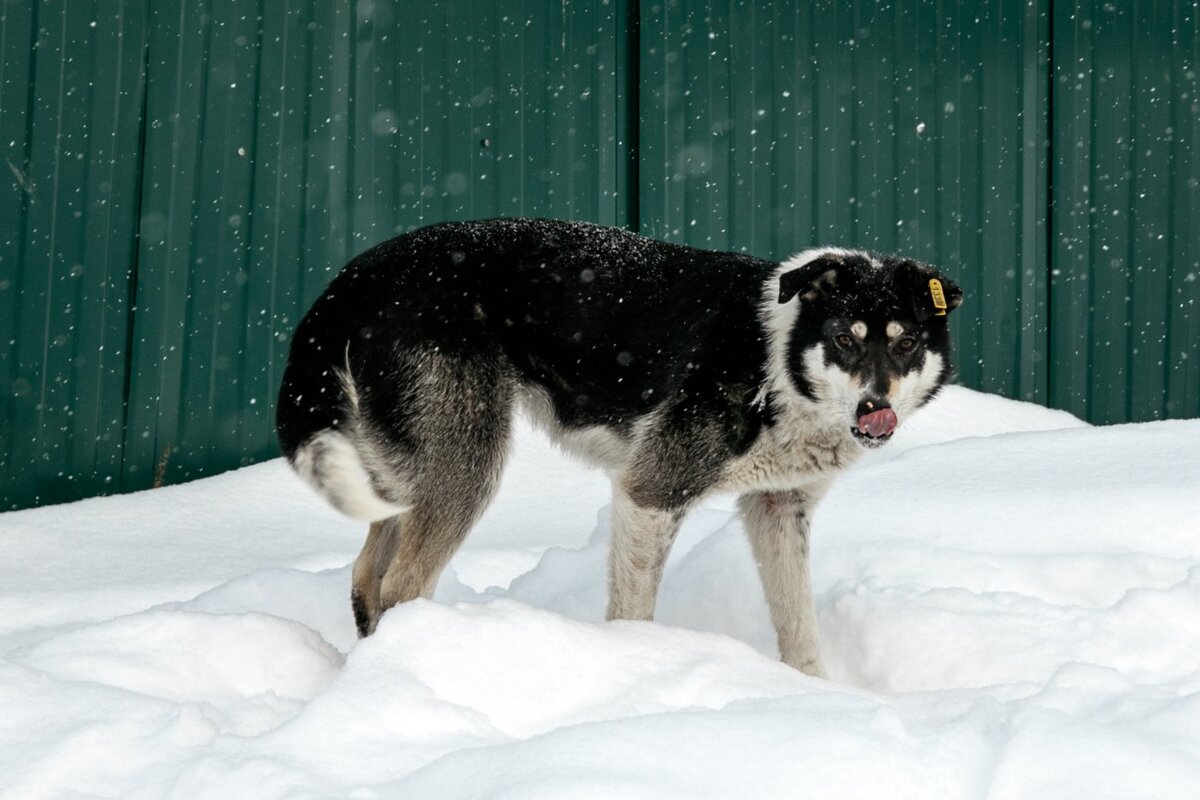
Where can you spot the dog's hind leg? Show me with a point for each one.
(641, 540)
(382, 540)
(777, 524)
(459, 430)
(431, 533)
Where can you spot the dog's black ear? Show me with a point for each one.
(810, 281)
(932, 293)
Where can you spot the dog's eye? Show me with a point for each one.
(907, 344)
(844, 341)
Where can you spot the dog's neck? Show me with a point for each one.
(798, 448)
(798, 421)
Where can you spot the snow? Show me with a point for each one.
(1009, 604)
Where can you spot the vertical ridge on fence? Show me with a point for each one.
(71, 85)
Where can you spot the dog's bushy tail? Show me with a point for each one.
(322, 433)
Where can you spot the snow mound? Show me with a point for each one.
(559, 672)
(249, 668)
(958, 413)
(1009, 603)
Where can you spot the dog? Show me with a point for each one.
(679, 371)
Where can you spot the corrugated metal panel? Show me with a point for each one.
(1125, 295)
(71, 91)
(279, 139)
(908, 126)
(224, 198)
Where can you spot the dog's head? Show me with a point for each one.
(860, 340)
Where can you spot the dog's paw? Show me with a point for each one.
(362, 617)
(808, 665)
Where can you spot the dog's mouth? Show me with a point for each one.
(875, 428)
(867, 440)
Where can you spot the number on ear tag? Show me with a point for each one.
(939, 297)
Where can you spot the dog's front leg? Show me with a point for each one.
(641, 540)
(777, 524)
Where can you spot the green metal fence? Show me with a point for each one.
(1125, 258)
(184, 176)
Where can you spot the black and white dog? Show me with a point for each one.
(679, 371)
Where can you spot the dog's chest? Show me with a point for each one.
(788, 462)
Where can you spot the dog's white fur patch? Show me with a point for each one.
(330, 463)
(859, 329)
(838, 392)
(597, 445)
(778, 319)
(894, 329)
(908, 393)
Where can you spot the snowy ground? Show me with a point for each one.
(1009, 606)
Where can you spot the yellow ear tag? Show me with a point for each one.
(939, 297)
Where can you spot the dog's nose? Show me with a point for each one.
(870, 405)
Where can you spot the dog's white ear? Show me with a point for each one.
(810, 281)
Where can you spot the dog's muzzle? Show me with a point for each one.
(876, 423)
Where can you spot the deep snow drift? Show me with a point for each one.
(1009, 606)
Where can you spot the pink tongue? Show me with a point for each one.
(878, 423)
